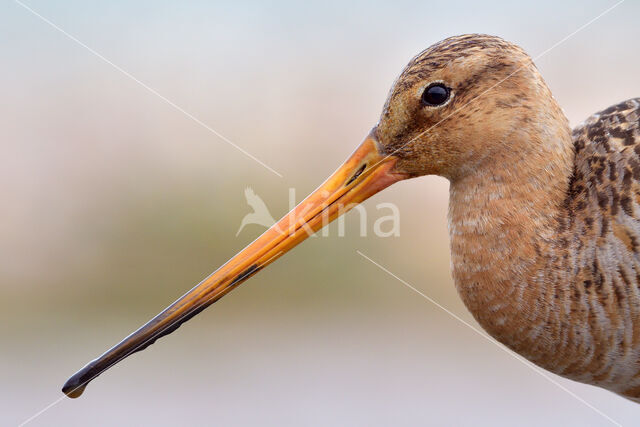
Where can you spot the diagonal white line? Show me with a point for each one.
(540, 55)
(40, 412)
(142, 344)
(149, 88)
(491, 340)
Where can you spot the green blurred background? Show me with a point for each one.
(114, 204)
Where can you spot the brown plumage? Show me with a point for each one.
(544, 222)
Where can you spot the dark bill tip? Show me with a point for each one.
(74, 387)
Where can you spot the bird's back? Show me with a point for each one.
(602, 236)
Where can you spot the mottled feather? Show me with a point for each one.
(544, 221)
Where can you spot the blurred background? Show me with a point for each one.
(114, 204)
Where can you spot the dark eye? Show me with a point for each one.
(435, 94)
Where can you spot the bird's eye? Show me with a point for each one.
(435, 94)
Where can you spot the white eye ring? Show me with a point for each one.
(436, 94)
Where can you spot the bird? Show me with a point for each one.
(260, 214)
(544, 220)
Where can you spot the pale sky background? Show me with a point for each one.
(114, 204)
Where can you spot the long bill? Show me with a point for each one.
(364, 174)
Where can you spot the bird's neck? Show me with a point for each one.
(503, 219)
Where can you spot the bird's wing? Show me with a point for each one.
(603, 244)
(604, 197)
(606, 179)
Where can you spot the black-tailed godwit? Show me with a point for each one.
(544, 221)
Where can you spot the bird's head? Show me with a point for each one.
(458, 103)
